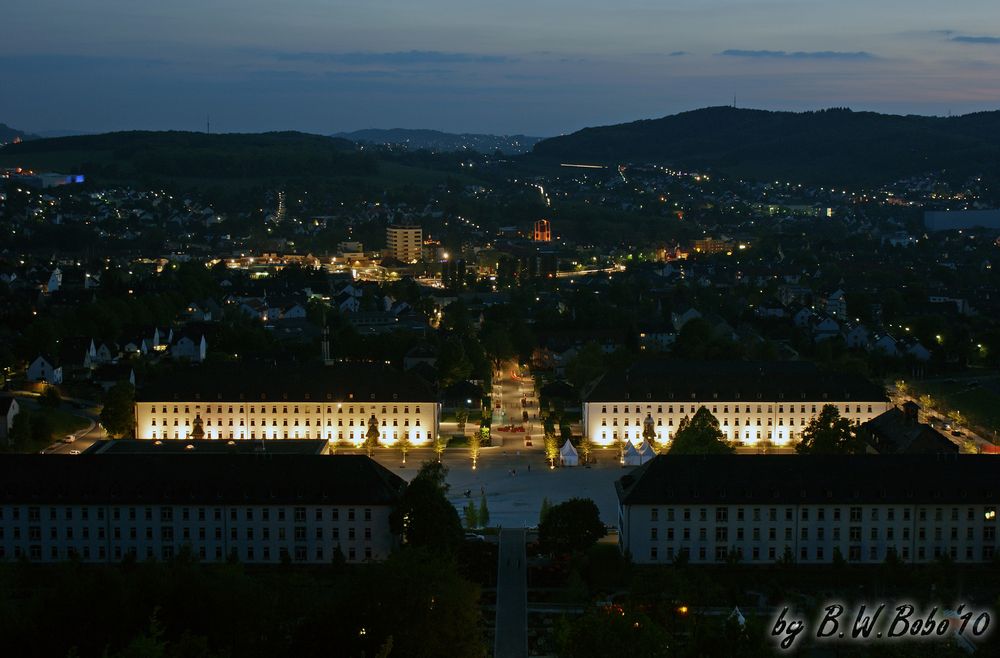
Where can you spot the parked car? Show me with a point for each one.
(74, 452)
(70, 438)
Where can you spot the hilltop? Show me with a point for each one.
(828, 146)
(8, 134)
(125, 155)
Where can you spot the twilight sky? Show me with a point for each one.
(539, 67)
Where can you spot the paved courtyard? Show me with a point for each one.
(515, 499)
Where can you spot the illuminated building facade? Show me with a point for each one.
(755, 403)
(404, 242)
(102, 508)
(337, 403)
(543, 231)
(810, 508)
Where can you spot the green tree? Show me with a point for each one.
(42, 428)
(453, 364)
(50, 397)
(20, 431)
(118, 412)
(551, 447)
(440, 443)
(586, 446)
(371, 436)
(475, 443)
(495, 339)
(700, 435)
(425, 516)
(586, 366)
(461, 417)
(471, 515)
(610, 632)
(484, 512)
(572, 526)
(829, 434)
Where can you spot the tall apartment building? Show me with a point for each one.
(260, 509)
(404, 242)
(808, 508)
(339, 403)
(755, 403)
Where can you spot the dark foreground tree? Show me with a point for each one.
(574, 525)
(425, 517)
(613, 632)
(700, 436)
(830, 434)
(118, 413)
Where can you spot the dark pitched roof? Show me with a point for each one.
(895, 432)
(197, 480)
(732, 380)
(287, 381)
(812, 479)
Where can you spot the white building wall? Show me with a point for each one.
(749, 422)
(759, 533)
(257, 533)
(334, 421)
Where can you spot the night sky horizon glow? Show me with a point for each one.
(539, 68)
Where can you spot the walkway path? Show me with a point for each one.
(512, 596)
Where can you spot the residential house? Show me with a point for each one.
(45, 369)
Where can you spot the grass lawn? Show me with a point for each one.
(977, 400)
(63, 423)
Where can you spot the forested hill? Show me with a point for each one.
(829, 146)
(8, 134)
(191, 154)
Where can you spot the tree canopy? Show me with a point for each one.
(830, 434)
(571, 526)
(117, 415)
(425, 517)
(700, 435)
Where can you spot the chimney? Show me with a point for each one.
(911, 412)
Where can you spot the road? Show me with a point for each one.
(83, 438)
(510, 387)
(936, 419)
(512, 596)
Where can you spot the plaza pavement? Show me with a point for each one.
(515, 500)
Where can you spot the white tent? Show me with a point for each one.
(646, 452)
(568, 455)
(632, 457)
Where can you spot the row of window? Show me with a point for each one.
(989, 513)
(670, 422)
(854, 534)
(295, 434)
(284, 422)
(854, 553)
(249, 553)
(725, 408)
(167, 533)
(299, 514)
(284, 409)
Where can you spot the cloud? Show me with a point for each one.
(678, 53)
(399, 58)
(781, 54)
(976, 40)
